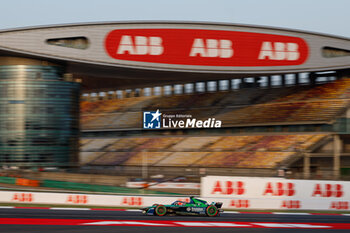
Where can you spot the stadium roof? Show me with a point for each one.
(138, 54)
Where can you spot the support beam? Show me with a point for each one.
(297, 79)
(312, 78)
(229, 87)
(283, 80)
(306, 165)
(336, 156)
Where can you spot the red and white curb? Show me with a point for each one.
(137, 210)
(84, 222)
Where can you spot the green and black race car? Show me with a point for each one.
(194, 207)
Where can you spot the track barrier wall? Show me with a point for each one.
(234, 192)
(276, 193)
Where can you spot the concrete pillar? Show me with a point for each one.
(113, 95)
(229, 87)
(255, 81)
(312, 78)
(206, 87)
(123, 94)
(283, 80)
(106, 96)
(297, 81)
(142, 92)
(269, 81)
(337, 147)
(133, 93)
(306, 165)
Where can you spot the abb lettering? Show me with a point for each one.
(291, 204)
(132, 201)
(328, 190)
(340, 205)
(140, 45)
(279, 189)
(211, 48)
(22, 197)
(197, 47)
(240, 203)
(77, 199)
(228, 188)
(279, 51)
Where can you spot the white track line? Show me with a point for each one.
(231, 212)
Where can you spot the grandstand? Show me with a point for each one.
(309, 108)
(282, 108)
(260, 106)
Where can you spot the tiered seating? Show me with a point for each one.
(159, 143)
(233, 143)
(126, 144)
(220, 151)
(87, 157)
(285, 112)
(97, 144)
(148, 158)
(169, 102)
(264, 159)
(333, 90)
(194, 143)
(84, 141)
(221, 159)
(286, 142)
(128, 120)
(311, 141)
(112, 158)
(181, 159)
(245, 106)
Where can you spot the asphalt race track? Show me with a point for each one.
(77, 221)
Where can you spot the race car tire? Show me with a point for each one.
(211, 211)
(160, 210)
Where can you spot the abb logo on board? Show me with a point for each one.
(211, 48)
(77, 199)
(199, 47)
(140, 45)
(339, 205)
(279, 189)
(291, 204)
(328, 190)
(228, 188)
(240, 203)
(22, 197)
(132, 201)
(279, 51)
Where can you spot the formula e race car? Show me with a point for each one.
(194, 207)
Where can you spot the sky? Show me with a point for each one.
(323, 16)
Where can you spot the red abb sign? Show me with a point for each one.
(22, 197)
(279, 189)
(328, 190)
(132, 201)
(77, 199)
(200, 47)
(228, 188)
